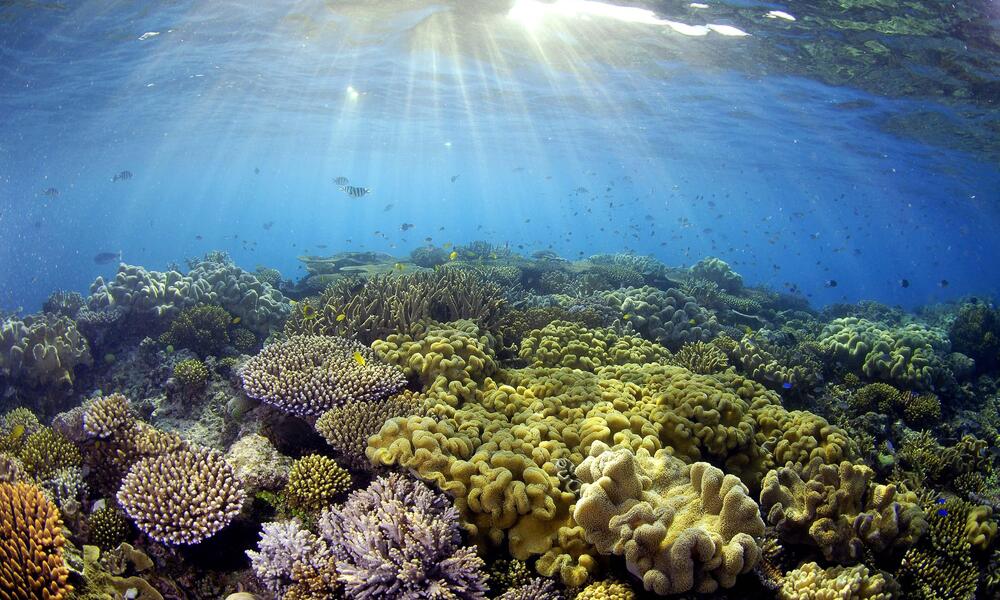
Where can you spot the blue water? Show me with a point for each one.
(686, 146)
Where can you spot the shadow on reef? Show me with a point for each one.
(473, 423)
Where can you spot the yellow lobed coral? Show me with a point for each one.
(840, 510)
(680, 527)
(31, 545)
(42, 349)
(314, 481)
(812, 582)
(567, 344)
(447, 359)
(980, 528)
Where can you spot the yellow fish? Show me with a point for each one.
(358, 358)
(626, 316)
(236, 320)
(308, 312)
(493, 255)
(446, 245)
(341, 317)
(693, 322)
(747, 330)
(453, 255)
(16, 433)
(399, 266)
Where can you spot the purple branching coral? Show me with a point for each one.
(398, 539)
(284, 546)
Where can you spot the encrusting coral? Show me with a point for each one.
(182, 497)
(31, 546)
(308, 375)
(680, 527)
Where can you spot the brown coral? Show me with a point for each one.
(31, 543)
(182, 497)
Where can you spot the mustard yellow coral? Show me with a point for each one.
(680, 527)
(812, 582)
(31, 546)
(567, 344)
(314, 481)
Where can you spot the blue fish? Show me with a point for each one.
(942, 512)
(940, 500)
(787, 385)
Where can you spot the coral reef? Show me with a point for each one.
(191, 373)
(812, 582)
(308, 375)
(182, 497)
(107, 528)
(565, 344)
(718, 272)
(314, 481)
(347, 427)
(203, 329)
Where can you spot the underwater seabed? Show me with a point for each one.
(471, 423)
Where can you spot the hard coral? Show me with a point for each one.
(46, 451)
(182, 497)
(107, 528)
(314, 481)
(812, 582)
(667, 317)
(398, 540)
(680, 527)
(308, 375)
(31, 546)
(203, 329)
(347, 427)
(566, 344)
(191, 373)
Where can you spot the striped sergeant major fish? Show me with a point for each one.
(342, 180)
(123, 176)
(354, 191)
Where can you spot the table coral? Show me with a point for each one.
(308, 375)
(31, 546)
(680, 527)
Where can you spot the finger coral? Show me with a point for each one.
(308, 375)
(680, 527)
(31, 546)
(397, 539)
(182, 497)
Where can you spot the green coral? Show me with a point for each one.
(107, 528)
(314, 481)
(916, 409)
(46, 451)
(15, 427)
(244, 341)
(203, 329)
(191, 373)
(701, 357)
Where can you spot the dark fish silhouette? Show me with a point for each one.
(454, 178)
(123, 176)
(354, 191)
(387, 208)
(256, 170)
(103, 258)
(267, 226)
(832, 283)
(904, 283)
(51, 192)
(406, 226)
(342, 180)
(943, 283)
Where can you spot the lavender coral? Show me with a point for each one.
(400, 539)
(308, 375)
(283, 547)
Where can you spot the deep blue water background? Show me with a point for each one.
(681, 156)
